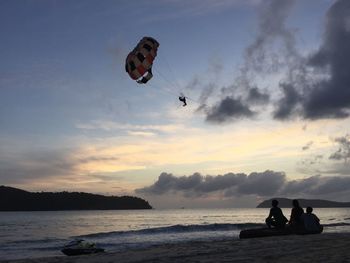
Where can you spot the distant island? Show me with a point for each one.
(287, 203)
(13, 199)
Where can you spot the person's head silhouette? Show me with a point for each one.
(274, 203)
(309, 210)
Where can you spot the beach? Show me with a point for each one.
(328, 247)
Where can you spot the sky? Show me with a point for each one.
(267, 85)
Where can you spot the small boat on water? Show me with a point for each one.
(80, 247)
(267, 232)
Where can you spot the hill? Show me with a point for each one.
(287, 203)
(13, 199)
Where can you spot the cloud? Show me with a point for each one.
(255, 96)
(272, 19)
(207, 91)
(331, 185)
(314, 159)
(98, 159)
(343, 153)
(333, 161)
(229, 184)
(145, 130)
(36, 165)
(228, 108)
(307, 146)
(301, 186)
(313, 86)
(331, 97)
(263, 184)
(206, 84)
(287, 104)
(320, 86)
(109, 178)
(259, 58)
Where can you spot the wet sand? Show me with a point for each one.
(330, 247)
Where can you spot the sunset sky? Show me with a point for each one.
(268, 87)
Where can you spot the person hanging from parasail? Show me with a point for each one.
(139, 62)
(182, 98)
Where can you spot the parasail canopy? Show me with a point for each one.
(139, 62)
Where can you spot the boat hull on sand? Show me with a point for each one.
(81, 251)
(267, 232)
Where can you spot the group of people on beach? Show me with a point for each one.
(299, 221)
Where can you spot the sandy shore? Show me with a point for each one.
(311, 248)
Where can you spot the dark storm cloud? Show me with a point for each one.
(314, 86)
(228, 109)
(212, 184)
(259, 58)
(301, 186)
(330, 185)
(318, 186)
(287, 103)
(331, 97)
(255, 96)
(328, 96)
(265, 184)
(230, 184)
(194, 183)
(262, 184)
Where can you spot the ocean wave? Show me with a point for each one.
(336, 224)
(37, 241)
(174, 229)
(180, 229)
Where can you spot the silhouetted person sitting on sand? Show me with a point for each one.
(276, 217)
(295, 216)
(311, 221)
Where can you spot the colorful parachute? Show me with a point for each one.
(139, 62)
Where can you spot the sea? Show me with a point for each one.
(42, 234)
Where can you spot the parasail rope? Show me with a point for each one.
(163, 58)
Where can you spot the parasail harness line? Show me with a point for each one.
(139, 62)
(174, 84)
(171, 71)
